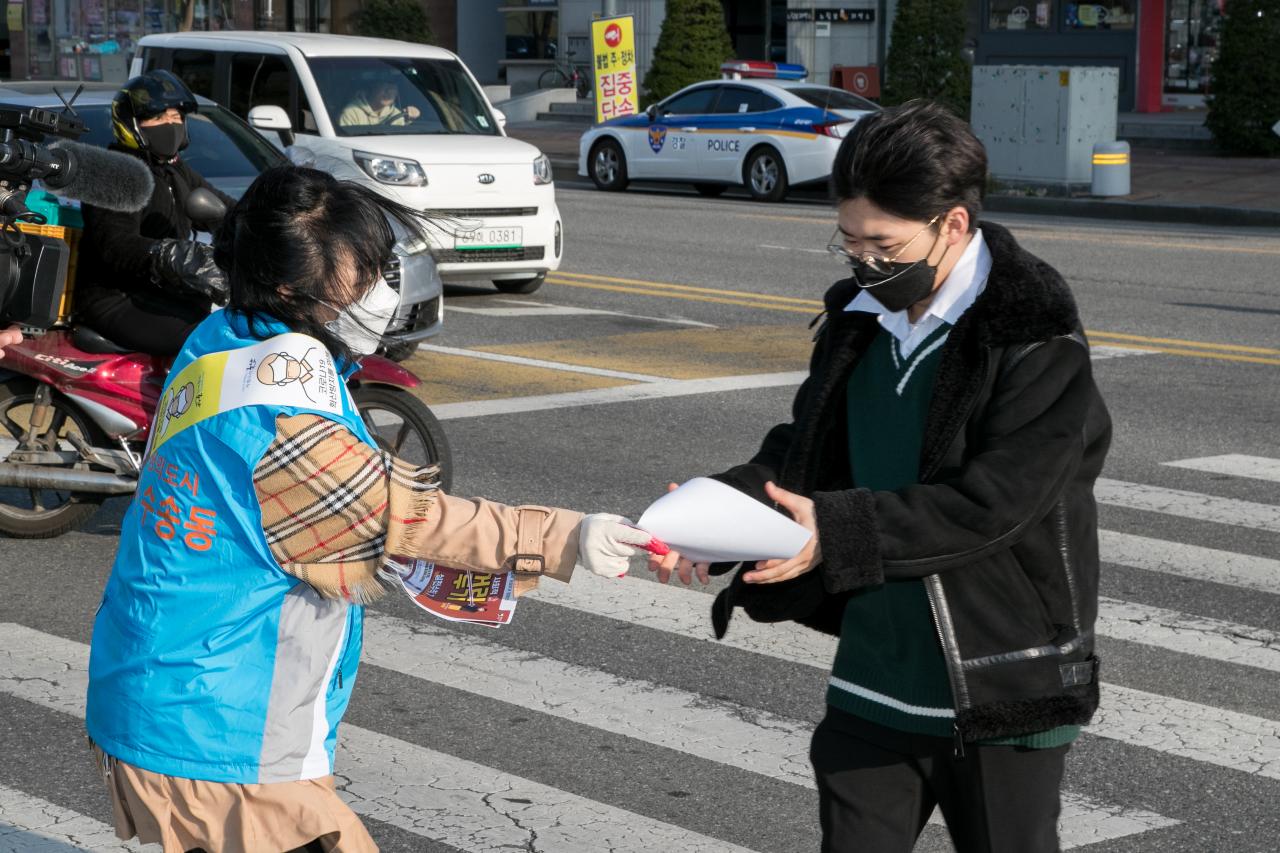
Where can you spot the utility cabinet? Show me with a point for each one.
(1040, 123)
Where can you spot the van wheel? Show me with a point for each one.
(710, 190)
(521, 285)
(765, 175)
(608, 166)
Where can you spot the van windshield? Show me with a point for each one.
(380, 96)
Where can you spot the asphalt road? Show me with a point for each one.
(605, 717)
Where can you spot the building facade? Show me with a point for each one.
(1162, 48)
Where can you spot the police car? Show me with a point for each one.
(762, 127)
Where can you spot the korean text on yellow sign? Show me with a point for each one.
(613, 47)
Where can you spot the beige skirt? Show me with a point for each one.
(189, 814)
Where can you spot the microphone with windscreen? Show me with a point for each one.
(106, 179)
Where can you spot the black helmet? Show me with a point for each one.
(147, 96)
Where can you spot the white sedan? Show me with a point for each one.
(766, 134)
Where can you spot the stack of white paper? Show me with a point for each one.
(707, 521)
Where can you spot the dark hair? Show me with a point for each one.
(915, 161)
(304, 228)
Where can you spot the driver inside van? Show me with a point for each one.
(376, 105)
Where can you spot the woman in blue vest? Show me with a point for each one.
(227, 642)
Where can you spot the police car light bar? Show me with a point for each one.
(738, 69)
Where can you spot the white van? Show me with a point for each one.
(408, 119)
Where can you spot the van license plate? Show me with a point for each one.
(511, 237)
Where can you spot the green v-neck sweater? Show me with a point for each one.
(889, 667)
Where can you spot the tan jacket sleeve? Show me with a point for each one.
(333, 508)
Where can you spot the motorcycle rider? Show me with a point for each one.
(143, 282)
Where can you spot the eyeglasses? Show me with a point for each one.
(876, 263)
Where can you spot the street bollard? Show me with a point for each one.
(1110, 168)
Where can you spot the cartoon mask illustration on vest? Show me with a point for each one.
(179, 402)
(281, 368)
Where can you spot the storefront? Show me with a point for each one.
(1058, 32)
(94, 40)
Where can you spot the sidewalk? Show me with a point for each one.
(1168, 186)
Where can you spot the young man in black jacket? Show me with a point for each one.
(943, 451)
(142, 281)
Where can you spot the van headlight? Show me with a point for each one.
(391, 170)
(542, 170)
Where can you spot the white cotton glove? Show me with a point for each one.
(606, 544)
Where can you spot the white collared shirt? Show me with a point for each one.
(965, 281)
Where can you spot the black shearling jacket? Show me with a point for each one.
(1002, 526)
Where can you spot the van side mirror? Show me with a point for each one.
(500, 117)
(271, 117)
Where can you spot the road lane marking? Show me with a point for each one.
(1234, 465)
(460, 379)
(618, 394)
(516, 309)
(29, 824)
(1185, 504)
(399, 783)
(423, 791)
(1191, 561)
(767, 302)
(537, 362)
(689, 288)
(652, 291)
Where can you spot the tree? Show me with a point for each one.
(1244, 80)
(693, 43)
(925, 55)
(405, 20)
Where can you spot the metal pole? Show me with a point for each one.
(610, 8)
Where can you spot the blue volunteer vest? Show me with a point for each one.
(208, 661)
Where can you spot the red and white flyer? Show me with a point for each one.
(458, 595)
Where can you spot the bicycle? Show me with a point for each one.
(566, 75)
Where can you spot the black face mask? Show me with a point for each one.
(165, 140)
(903, 285)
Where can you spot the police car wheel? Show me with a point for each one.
(765, 175)
(608, 166)
(710, 190)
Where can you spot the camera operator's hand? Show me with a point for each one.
(188, 266)
(9, 337)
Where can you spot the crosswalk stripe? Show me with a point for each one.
(538, 362)
(718, 731)
(618, 394)
(420, 790)
(1184, 504)
(1191, 561)
(1234, 465)
(29, 824)
(1201, 636)
(1188, 729)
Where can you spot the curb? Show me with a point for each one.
(565, 168)
(1090, 208)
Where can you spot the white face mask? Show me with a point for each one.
(361, 324)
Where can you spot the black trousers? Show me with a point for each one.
(877, 787)
(152, 324)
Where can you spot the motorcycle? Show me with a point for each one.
(76, 411)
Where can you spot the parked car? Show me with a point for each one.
(442, 149)
(230, 154)
(766, 131)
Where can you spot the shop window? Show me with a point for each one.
(532, 35)
(1034, 15)
(1099, 16)
(1191, 43)
(195, 68)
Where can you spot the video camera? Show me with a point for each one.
(33, 268)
